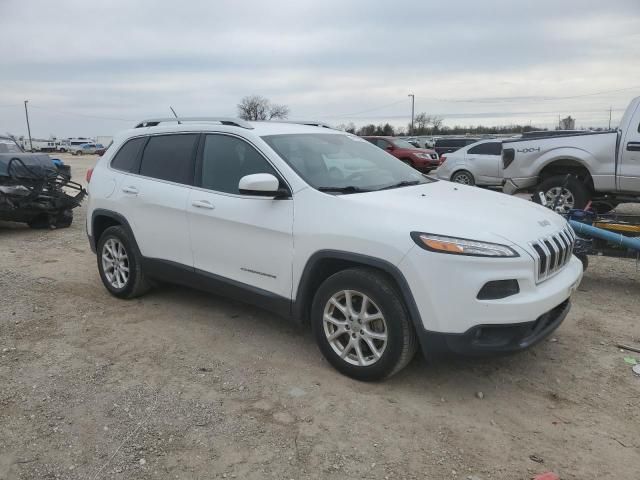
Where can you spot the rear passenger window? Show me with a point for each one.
(170, 157)
(226, 159)
(127, 157)
(489, 148)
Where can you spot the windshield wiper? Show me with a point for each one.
(404, 183)
(347, 189)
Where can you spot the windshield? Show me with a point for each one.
(398, 142)
(9, 146)
(339, 161)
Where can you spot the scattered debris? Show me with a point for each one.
(479, 395)
(636, 369)
(546, 476)
(536, 458)
(627, 347)
(630, 360)
(142, 461)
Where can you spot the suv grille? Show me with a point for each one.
(552, 253)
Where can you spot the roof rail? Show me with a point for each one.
(235, 122)
(311, 123)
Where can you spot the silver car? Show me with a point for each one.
(475, 164)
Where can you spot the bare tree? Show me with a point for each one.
(255, 107)
(426, 123)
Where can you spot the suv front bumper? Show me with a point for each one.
(495, 339)
(446, 288)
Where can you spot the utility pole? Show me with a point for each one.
(610, 110)
(413, 99)
(26, 112)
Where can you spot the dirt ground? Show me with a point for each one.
(182, 384)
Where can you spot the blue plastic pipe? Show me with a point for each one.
(611, 237)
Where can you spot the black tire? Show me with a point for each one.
(584, 259)
(580, 192)
(604, 206)
(39, 222)
(64, 219)
(137, 283)
(463, 174)
(401, 343)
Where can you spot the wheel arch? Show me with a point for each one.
(324, 263)
(566, 164)
(102, 219)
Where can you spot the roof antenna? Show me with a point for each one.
(175, 114)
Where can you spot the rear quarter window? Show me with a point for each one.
(127, 158)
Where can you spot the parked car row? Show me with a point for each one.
(421, 159)
(87, 149)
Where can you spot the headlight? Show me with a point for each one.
(426, 156)
(461, 246)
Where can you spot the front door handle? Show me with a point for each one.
(633, 146)
(131, 190)
(203, 204)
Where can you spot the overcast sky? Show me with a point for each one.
(92, 67)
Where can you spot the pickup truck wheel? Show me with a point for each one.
(464, 177)
(120, 265)
(572, 193)
(361, 325)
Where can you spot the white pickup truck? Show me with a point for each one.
(601, 167)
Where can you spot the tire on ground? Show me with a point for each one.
(580, 192)
(401, 337)
(459, 173)
(137, 284)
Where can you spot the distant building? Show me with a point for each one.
(568, 123)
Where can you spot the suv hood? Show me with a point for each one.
(456, 210)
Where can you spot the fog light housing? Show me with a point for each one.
(497, 289)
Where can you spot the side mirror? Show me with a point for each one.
(261, 185)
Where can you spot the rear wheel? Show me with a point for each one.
(565, 194)
(120, 265)
(361, 325)
(464, 177)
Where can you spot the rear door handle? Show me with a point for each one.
(131, 190)
(203, 204)
(633, 146)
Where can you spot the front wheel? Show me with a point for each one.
(565, 193)
(361, 325)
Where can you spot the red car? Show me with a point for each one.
(421, 159)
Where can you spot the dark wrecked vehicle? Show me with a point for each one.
(36, 189)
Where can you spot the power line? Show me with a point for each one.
(75, 114)
(514, 99)
(361, 112)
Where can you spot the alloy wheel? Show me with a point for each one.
(463, 178)
(115, 263)
(355, 328)
(566, 201)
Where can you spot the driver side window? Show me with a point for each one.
(226, 159)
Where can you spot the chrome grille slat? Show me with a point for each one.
(552, 253)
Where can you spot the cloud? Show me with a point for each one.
(89, 68)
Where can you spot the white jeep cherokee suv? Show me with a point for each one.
(323, 227)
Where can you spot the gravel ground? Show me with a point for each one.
(182, 384)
